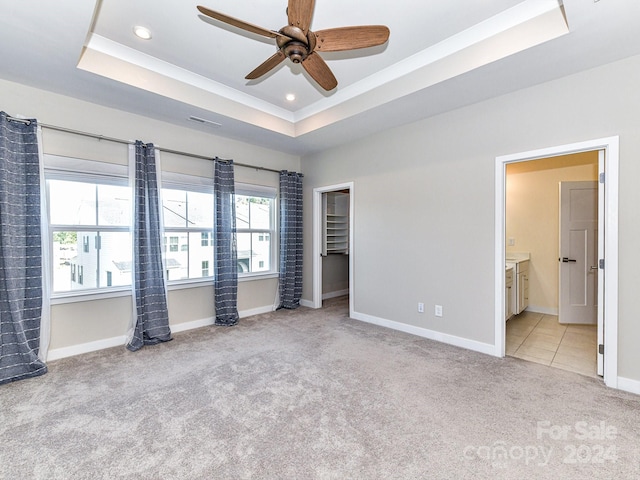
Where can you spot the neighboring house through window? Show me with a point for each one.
(255, 224)
(89, 223)
(89, 205)
(187, 206)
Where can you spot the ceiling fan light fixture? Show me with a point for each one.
(142, 32)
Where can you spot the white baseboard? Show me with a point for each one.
(306, 303)
(309, 303)
(184, 326)
(337, 293)
(430, 334)
(256, 311)
(63, 352)
(625, 384)
(206, 322)
(629, 385)
(543, 310)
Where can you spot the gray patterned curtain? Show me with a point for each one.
(151, 322)
(290, 239)
(225, 254)
(20, 251)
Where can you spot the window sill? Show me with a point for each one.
(189, 283)
(195, 283)
(88, 296)
(257, 276)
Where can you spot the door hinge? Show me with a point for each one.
(602, 177)
(601, 263)
(600, 349)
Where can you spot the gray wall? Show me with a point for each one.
(335, 274)
(424, 201)
(98, 320)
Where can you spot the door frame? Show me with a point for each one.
(317, 242)
(609, 207)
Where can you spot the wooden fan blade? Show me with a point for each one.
(239, 23)
(351, 38)
(300, 13)
(320, 71)
(267, 65)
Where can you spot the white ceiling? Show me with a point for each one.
(440, 56)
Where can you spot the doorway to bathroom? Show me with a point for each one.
(551, 220)
(607, 176)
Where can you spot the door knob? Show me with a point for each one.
(567, 260)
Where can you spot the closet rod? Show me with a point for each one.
(129, 142)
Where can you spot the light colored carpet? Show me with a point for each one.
(311, 394)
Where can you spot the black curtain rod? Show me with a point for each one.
(129, 142)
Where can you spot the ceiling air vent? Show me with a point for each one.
(205, 121)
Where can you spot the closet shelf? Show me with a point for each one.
(335, 223)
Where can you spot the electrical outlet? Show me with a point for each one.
(420, 307)
(438, 311)
(512, 241)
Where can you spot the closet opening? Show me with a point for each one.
(333, 243)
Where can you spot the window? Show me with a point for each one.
(89, 206)
(204, 239)
(188, 226)
(173, 244)
(89, 217)
(188, 223)
(255, 224)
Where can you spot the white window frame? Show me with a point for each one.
(85, 170)
(57, 167)
(252, 190)
(188, 183)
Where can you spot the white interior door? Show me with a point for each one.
(578, 298)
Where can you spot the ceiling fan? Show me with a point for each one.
(296, 42)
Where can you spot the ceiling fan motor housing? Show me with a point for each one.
(298, 46)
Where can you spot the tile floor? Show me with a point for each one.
(540, 338)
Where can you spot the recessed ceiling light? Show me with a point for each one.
(290, 97)
(142, 32)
